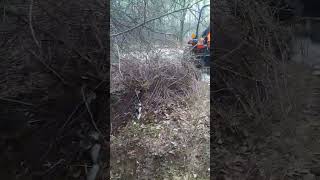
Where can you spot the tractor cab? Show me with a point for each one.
(200, 43)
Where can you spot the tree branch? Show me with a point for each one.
(31, 27)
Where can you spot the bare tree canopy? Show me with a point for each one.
(149, 22)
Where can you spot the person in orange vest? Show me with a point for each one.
(206, 36)
(204, 39)
(208, 40)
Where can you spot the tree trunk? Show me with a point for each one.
(181, 32)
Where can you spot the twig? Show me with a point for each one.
(97, 35)
(31, 27)
(137, 94)
(70, 117)
(4, 12)
(53, 166)
(158, 32)
(148, 28)
(119, 58)
(89, 111)
(232, 51)
(59, 132)
(48, 67)
(78, 107)
(309, 18)
(145, 11)
(177, 80)
(16, 101)
(21, 16)
(222, 89)
(237, 73)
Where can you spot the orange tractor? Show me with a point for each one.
(200, 45)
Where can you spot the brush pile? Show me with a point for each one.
(151, 83)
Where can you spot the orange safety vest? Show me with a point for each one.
(208, 39)
(200, 43)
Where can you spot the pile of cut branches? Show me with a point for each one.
(151, 83)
